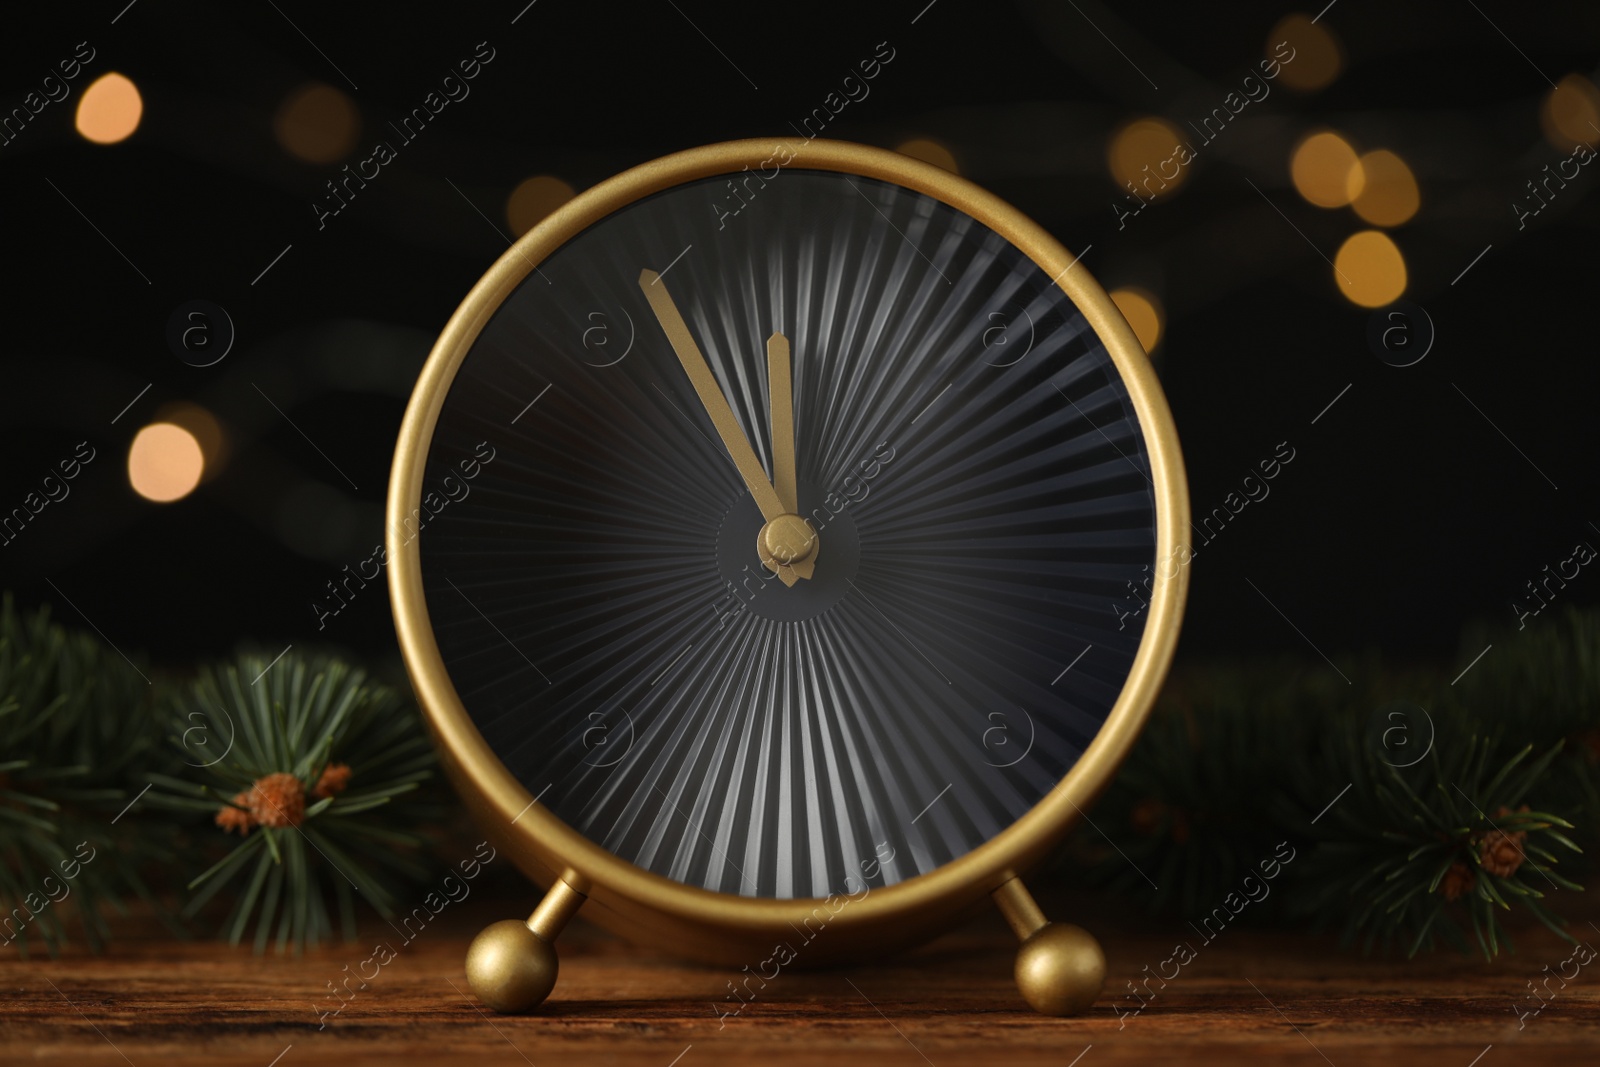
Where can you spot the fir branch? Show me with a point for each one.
(1429, 811)
(1427, 853)
(1545, 678)
(77, 727)
(272, 750)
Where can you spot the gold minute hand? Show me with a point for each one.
(787, 545)
(710, 393)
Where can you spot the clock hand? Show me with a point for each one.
(786, 537)
(780, 386)
(710, 393)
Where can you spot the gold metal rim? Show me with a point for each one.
(538, 834)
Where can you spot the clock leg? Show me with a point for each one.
(1060, 967)
(512, 964)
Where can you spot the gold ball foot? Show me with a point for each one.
(511, 968)
(1060, 969)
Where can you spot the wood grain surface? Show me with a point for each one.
(1272, 996)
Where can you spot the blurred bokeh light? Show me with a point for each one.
(1326, 170)
(533, 199)
(929, 151)
(1143, 312)
(1142, 143)
(1317, 56)
(204, 428)
(317, 123)
(1570, 114)
(1387, 193)
(164, 462)
(110, 109)
(1369, 269)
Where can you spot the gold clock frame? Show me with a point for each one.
(512, 965)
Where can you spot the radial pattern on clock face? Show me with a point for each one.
(973, 475)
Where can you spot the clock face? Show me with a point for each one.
(982, 533)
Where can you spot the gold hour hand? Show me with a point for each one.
(781, 388)
(792, 538)
(784, 546)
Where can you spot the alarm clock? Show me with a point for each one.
(761, 536)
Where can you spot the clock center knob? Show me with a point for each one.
(788, 539)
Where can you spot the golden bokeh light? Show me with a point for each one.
(1326, 170)
(204, 428)
(1143, 312)
(1147, 143)
(1570, 114)
(1316, 57)
(929, 152)
(533, 199)
(164, 462)
(110, 109)
(317, 123)
(1387, 192)
(1369, 269)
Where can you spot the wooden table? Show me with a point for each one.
(1275, 996)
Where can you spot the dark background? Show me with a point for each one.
(1404, 514)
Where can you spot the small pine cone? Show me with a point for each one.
(1146, 817)
(1589, 744)
(335, 777)
(1180, 826)
(1150, 816)
(1456, 881)
(1501, 853)
(232, 818)
(278, 800)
